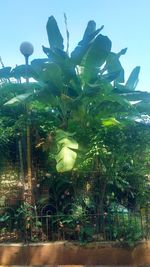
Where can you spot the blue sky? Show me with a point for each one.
(127, 24)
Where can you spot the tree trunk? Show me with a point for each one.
(29, 170)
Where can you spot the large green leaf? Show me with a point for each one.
(90, 33)
(80, 51)
(136, 96)
(66, 156)
(99, 51)
(52, 72)
(91, 27)
(51, 75)
(55, 55)
(54, 36)
(96, 57)
(133, 79)
(9, 89)
(65, 159)
(62, 59)
(20, 99)
(67, 68)
(113, 65)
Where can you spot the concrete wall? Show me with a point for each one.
(65, 253)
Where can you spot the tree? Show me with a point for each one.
(83, 96)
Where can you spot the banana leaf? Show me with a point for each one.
(80, 51)
(66, 156)
(20, 99)
(133, 79)
(54, 36)
(96, 57)
(113, 65)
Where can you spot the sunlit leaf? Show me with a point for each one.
(18, 99)
(67, 155)
(108, 122)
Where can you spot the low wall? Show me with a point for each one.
(65, 253)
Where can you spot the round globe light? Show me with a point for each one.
(26, 49)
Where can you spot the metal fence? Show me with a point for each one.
(46, 223)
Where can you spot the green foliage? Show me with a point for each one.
(32, 227)
(84, 118)
(127, 230)
(4, 218)
(86, 234)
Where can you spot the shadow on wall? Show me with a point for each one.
(66, 253)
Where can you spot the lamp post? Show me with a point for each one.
(27, 49)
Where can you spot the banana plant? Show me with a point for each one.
(83, 88)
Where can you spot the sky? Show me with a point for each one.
(126, 23)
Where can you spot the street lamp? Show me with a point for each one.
(27, 49)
